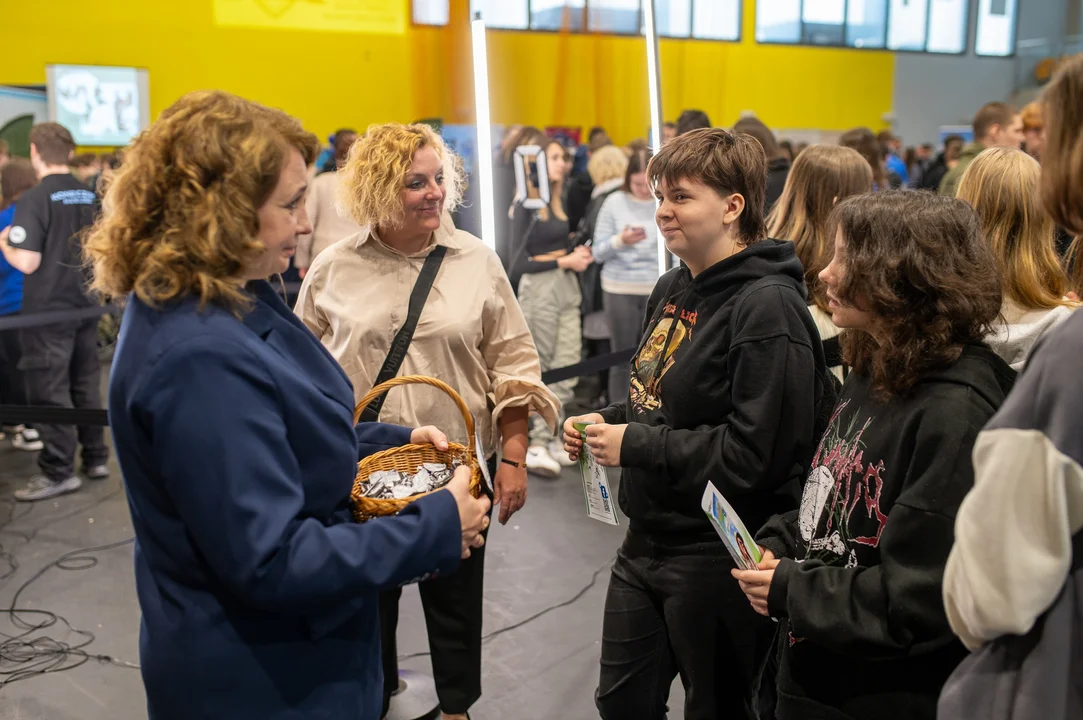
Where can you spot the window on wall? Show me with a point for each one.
(555, 14)
(996, 28)
(502, 13)
(700, 19)
(935, 26)
(431, 12)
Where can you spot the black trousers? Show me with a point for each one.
(61, 366)
(453, 618)
(676, 609)
(12, 381)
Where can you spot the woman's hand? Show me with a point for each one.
(756, 584)
(429, 435)
(473, 512)
(577, 260)
(605, 441)
(573, 442)
(509, 490)
(633, 235)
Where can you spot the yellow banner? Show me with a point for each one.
(387, 17)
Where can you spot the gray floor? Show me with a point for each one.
(544, 556)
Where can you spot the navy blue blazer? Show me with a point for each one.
(238, 449)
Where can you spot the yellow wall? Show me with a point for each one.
(335, 79)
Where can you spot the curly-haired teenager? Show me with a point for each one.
(400, 182)
(854, 575)
(234, 430)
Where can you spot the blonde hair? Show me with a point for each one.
(1062, 158)
(607, 163)
(821, 176)
(373, 178)
(1003, 185)
(181, 216)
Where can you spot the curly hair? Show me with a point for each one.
(1003, 186)
(918, 263)
(182, 215)
(820, 176)
(374, 176)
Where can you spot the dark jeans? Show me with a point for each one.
(624, 313)
(453, 618)
(62, 369)
(676, 609)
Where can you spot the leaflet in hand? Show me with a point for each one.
(595, 484)
(728, 525)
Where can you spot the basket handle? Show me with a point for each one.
(380, 389)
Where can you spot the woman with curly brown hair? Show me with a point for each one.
(234, 430)
(854, 575)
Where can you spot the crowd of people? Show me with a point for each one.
(867, 350)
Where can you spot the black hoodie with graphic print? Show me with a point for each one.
(724, 388)
(864, 633)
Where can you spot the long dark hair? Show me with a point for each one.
(862, 140)
(918, 263)
(637, 163)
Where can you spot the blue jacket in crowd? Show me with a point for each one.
(238, 448)
(11, 280)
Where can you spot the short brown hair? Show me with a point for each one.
(17, 177)
(724, 162)
(692, 120)
(83, 160)
(54, 143)
(1062, 159)
(916, 261)
(755, 127)
(182, 216)
(994, 113)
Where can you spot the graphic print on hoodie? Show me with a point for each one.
(864, 631)
(724, 388)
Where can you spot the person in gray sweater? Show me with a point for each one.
(626, 241)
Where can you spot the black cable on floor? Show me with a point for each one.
(526, 621)
(24, 656)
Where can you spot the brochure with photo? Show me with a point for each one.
(727, 523)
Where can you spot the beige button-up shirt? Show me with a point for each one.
(471, 334)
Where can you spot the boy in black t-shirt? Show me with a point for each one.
(60, 360)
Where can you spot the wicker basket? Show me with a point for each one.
(409, 457)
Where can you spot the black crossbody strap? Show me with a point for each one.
(401, 343)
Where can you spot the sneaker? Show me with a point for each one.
(27, 440)
(97, 472)
(29, 433)
(556, 451)
(42, 488)
(540, 462)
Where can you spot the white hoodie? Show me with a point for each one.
(1018, 329)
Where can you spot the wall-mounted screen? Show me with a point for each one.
(101, 106)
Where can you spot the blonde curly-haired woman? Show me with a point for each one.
(400, 182)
